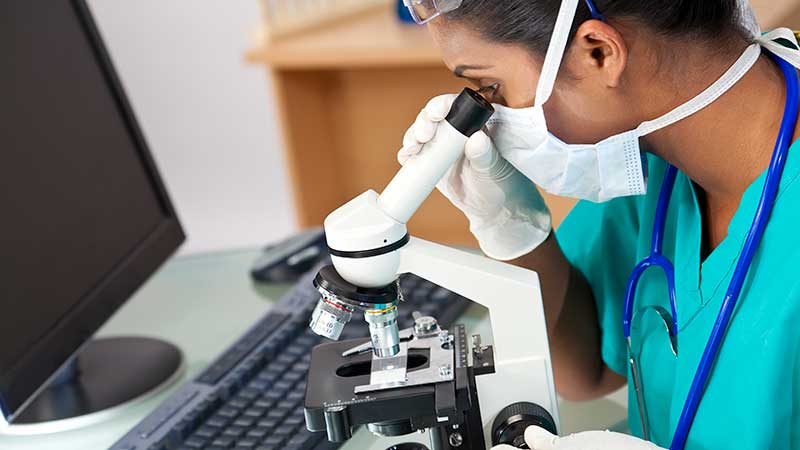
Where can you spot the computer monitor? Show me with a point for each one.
(84, 220)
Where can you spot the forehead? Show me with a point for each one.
(458, 44)
(461, 45)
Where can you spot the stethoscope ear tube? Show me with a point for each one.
(765, 206)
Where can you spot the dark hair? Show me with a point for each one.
(531, 22)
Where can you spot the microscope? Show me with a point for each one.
(425, 378)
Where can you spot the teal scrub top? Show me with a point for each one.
(753, 397)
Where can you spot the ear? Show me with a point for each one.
(598, 52)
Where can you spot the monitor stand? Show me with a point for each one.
(105, 376)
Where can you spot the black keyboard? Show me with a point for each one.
(251, 397)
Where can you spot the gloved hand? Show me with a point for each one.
(506, 213)
(540, 439)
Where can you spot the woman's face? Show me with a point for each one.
(583, 109)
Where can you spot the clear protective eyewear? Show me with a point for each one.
(423, 11)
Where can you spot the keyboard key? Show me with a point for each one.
(207, 432)
(228, 412)
(244, 421)
(273, 395)
(270, 375)
(273, 441)
(283, 430)
(247, 443)
(277, 413)
(238, 403)
(293, 376)
(224, 441)
(195, 442)
(218, 420)
(286, 359)
(264, 403)
(268, 423)
(294, 421)
(249, 393)
(282, 386)
(296, 396)
(259, 384)
(233, 431)
(258, 433)
(255, 413)
(286, 404)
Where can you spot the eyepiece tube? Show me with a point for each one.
(418, 177)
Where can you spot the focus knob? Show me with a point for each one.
(510, 424)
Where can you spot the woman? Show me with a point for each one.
(626, 62)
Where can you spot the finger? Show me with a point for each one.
(438, 107)
(407, 153)
(408, 138)
(480, 152)
(504, 447)
(423, 128)
(538, 438)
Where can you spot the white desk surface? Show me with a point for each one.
(202, 303)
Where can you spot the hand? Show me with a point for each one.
(505, 210)
(540, 439)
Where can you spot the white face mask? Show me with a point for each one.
(598, 172)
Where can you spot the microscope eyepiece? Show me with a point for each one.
(470, 112)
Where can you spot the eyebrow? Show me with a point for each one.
(459, 71)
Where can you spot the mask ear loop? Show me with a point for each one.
(734, 74)
(558, 46)
(555, 51)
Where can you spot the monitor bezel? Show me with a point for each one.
(20, 383)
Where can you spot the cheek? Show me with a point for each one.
(580, 116)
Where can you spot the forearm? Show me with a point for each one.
(572, 325)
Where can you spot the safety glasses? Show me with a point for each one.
(423, 11)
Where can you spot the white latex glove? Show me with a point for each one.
(506, 213)
(540, 439)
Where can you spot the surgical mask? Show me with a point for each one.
(612, 168)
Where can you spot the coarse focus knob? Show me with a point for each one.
(337, 424)
(510, 424)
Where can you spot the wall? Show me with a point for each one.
(206, 115)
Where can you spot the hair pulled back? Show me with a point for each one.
(530, 23)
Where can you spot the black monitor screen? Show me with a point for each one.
(79, 198)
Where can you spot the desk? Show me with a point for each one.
(203, 303)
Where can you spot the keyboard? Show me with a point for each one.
(251, 396)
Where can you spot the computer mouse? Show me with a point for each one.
(287, 260)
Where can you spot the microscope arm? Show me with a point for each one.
(513, 297)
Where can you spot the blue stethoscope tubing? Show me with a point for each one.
(756, 232)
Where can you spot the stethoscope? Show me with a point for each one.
(657, 259)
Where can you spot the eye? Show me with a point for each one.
(490, 92)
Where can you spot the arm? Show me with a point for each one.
(572, 325)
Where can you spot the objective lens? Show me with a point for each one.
(383, 331)
(329, 317)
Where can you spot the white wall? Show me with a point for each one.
(208, 117)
